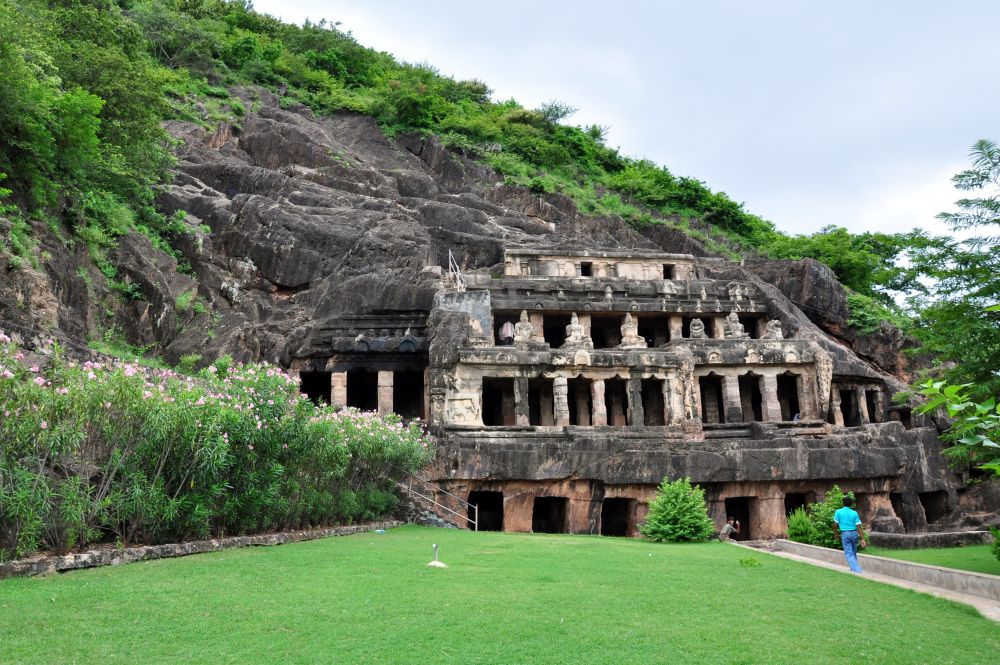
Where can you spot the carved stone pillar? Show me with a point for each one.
(636, 417)
(807, 397)
(600, 415)
(731, 398)
(838, 414)
(537, 322)
(580, 402)
(862, 405)
(771, 405)
(385, 391)
(426, 415)
(338, 388)
(584, 320)
(521, 406)
(718, 331)
(676, 323)
(560, 400)
(668, 408)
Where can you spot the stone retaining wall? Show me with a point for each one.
(976, 584)
(910, 541)
(45, 565)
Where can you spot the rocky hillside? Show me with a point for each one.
(297, 221)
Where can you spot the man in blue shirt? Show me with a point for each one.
(847, 522)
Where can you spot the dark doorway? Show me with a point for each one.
(586, 269)
(795, 500)
(540, 402)
(788, 396)
(580, 401)
(751, 399)
(935, 505)
(849, 408)
(605, 331)
(711, 399)
(739, 508)
(616, 401)
(668, 271)
(548, 515)
(498, 402)
(408, 393)
(750, 326)
(362, 389)
(316, 386)
(499, 319)
(872, 402)
(652, 402)
(490, 510)
(554, 329)
(654, 328)
(616, 517)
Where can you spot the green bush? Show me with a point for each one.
(115, 451)
(678, 514)
(996, 541)
(814, 524)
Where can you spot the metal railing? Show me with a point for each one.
(408, 488)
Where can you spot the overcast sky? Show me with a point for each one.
(853, 113)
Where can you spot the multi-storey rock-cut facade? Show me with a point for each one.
(566, 388)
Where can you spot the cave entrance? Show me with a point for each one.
(616, 517)
(616, 401)
(605, 331)
(504, 322)
(498, 402)
(554, 329)
(750, 325)
(490, 510)
(316, 386)
(738, 507)
(935, 504)
(580, 401)
(540, 402)
(788, 395)
(654, 328)
(548, 514)
(796, 500)
(711, 399)
(652, 402)
(751, 399)
(872, 402)
(362, 389)
(408, 393)
(849, 408)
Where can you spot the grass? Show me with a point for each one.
(505, 598)
(977, 558)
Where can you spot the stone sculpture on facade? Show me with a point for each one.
(824, 379)
(774, 330)
(698, 329)
(630, 334)
(523, 331)
(576, 335)
(732, 328)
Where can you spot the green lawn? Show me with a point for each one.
(977, 558)
(506, 598)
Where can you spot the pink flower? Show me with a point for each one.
(34, 368)
(146, 394)
(91, 376)
(284, 445)
(44, 425)
(39, 381)
(130, 371)
(7, 374)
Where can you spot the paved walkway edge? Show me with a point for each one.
(985, 606)
(47, 565)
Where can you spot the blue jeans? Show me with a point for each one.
(850, 541)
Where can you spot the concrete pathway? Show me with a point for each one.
(988, 608)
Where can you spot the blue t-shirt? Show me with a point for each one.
(847, 518)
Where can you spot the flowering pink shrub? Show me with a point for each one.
(112, 450)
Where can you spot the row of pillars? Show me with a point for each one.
(591, 408)
(732, 400)
(338, 390)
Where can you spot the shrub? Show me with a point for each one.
(678, 514)
(814, 524)
(996, 541)
(115, 451)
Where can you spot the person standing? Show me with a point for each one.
(847, 523)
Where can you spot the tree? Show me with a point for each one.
(959, 321)
(678, 514)
(975, 430)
